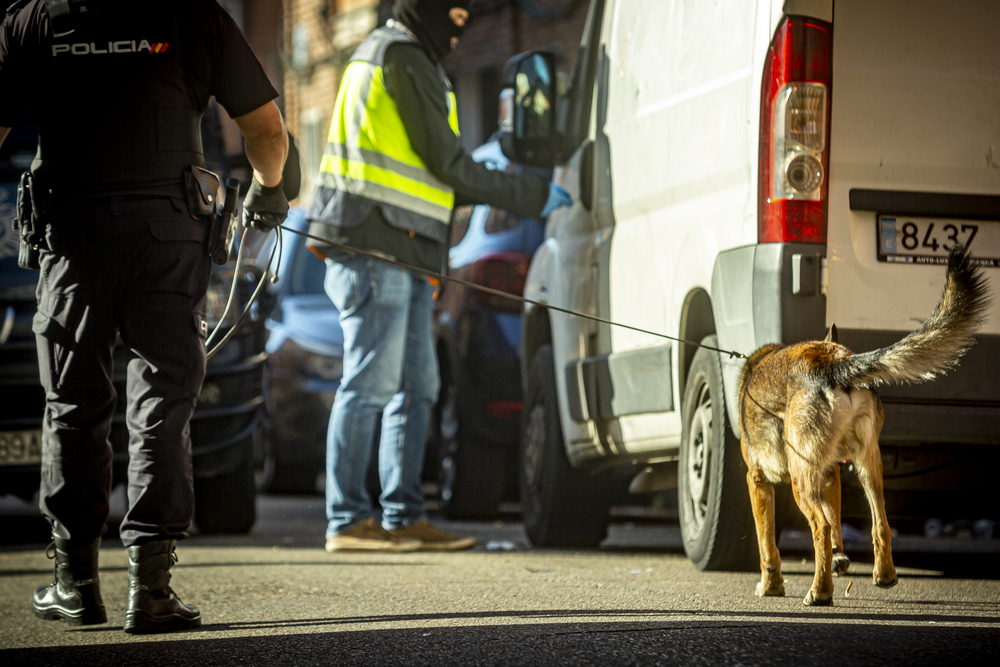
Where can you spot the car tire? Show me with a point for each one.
(226, 503)
(472, 475)
(560, 505)
(276, 477)
(713, 501)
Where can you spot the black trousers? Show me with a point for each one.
(134, 268)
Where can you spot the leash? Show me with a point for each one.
(505, 295)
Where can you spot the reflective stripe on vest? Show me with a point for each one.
(369, 154)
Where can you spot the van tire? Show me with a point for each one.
(472, 474)
(278, 478)
(560, 505)
(713, 501)
(227, 503)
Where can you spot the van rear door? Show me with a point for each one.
(915, 165)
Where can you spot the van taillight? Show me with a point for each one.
(794, 132)
(505, 272)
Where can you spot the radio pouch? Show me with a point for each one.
(203, 189)
(24, 224)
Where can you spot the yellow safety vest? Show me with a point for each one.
(368, 154)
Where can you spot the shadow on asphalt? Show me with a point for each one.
(23, 528)
(707, 638)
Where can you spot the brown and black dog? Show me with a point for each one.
(807, 407)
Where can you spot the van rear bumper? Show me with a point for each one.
(962, 407)
(922, 423)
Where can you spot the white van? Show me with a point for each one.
(749, 172)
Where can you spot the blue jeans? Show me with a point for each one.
(389, 366)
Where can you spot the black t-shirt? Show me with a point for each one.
(118, 101)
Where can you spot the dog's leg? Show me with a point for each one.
(807, 489)
(840, 560)
(868, 464)
(762, 501)
(870, 476)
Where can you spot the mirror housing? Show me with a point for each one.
(527, 118)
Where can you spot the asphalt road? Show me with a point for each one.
(274, 597)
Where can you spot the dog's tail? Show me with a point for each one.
(939, 342)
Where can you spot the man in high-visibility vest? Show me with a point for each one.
(392, 174)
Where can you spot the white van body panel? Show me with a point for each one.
(560, 275)
(901, 73)
(680, 90)
(683, 124)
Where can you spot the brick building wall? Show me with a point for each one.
(260, 22)
(318, 36)
(498, 30)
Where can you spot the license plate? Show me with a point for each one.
(909, 240)
(20, 447)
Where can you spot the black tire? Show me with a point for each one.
(226, 503)
(276, 477)
(560, 505)
(472, 475)
(713, 501)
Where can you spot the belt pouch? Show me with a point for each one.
(202, 188)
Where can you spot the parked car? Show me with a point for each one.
(227, 420)
(475, 426)
(305, 346)
(749, 173)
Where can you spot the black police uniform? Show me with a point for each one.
(118, 103)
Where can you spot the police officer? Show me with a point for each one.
(392, 174)
(117, 90)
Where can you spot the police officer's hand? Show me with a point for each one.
(264, 208)
(558, 197)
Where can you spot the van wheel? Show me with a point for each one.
(560, 505)
(472, 475)
(713, 502)
(226, 503)
(275, 477)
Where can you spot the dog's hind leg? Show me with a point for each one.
(807, 489)
(762, 501)
(832, 495)
(870, 476)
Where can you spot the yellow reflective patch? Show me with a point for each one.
(360, 171)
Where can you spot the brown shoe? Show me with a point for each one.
(433, 538)
(370, 536)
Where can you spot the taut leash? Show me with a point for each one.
(499, 293)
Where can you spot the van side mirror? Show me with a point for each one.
(528, 109)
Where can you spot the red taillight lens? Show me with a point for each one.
(505, 272)
(795, 126)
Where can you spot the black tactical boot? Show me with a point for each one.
(152, 606)
(75, 595)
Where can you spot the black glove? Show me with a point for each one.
(264, 208)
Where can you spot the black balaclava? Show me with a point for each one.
(430, 22)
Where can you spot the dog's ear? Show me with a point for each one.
(831, 335)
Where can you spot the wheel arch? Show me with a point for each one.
(697, 321)
(536, 332)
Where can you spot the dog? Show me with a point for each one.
(806, 407)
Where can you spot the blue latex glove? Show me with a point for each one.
(558, 198)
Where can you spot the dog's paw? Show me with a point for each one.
(814, 600)
(773, 590)
(840, 563)
(884, 583)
